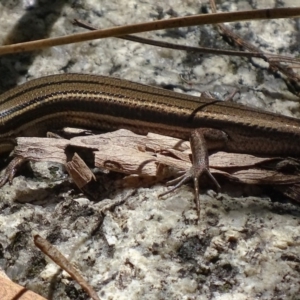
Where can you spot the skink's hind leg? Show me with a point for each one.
(200, 140)
(11, 170)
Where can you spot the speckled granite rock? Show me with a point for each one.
(145, 247)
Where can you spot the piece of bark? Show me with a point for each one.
(10, 290)
(79, 171)
(132, 154)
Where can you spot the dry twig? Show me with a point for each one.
(258, 14)
(60, 260)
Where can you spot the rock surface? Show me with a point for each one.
(244, 247)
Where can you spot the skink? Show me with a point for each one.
(106, 103)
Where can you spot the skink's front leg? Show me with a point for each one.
(201, 140)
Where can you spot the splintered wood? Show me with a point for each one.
(152, 157)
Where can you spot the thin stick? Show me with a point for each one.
(258, 14)
(275, 63)
(60, 260)
(204, 50)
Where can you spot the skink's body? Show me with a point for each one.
(107, 103)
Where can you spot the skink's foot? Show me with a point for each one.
(11, 170)
(193, 173)
(200, 163)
